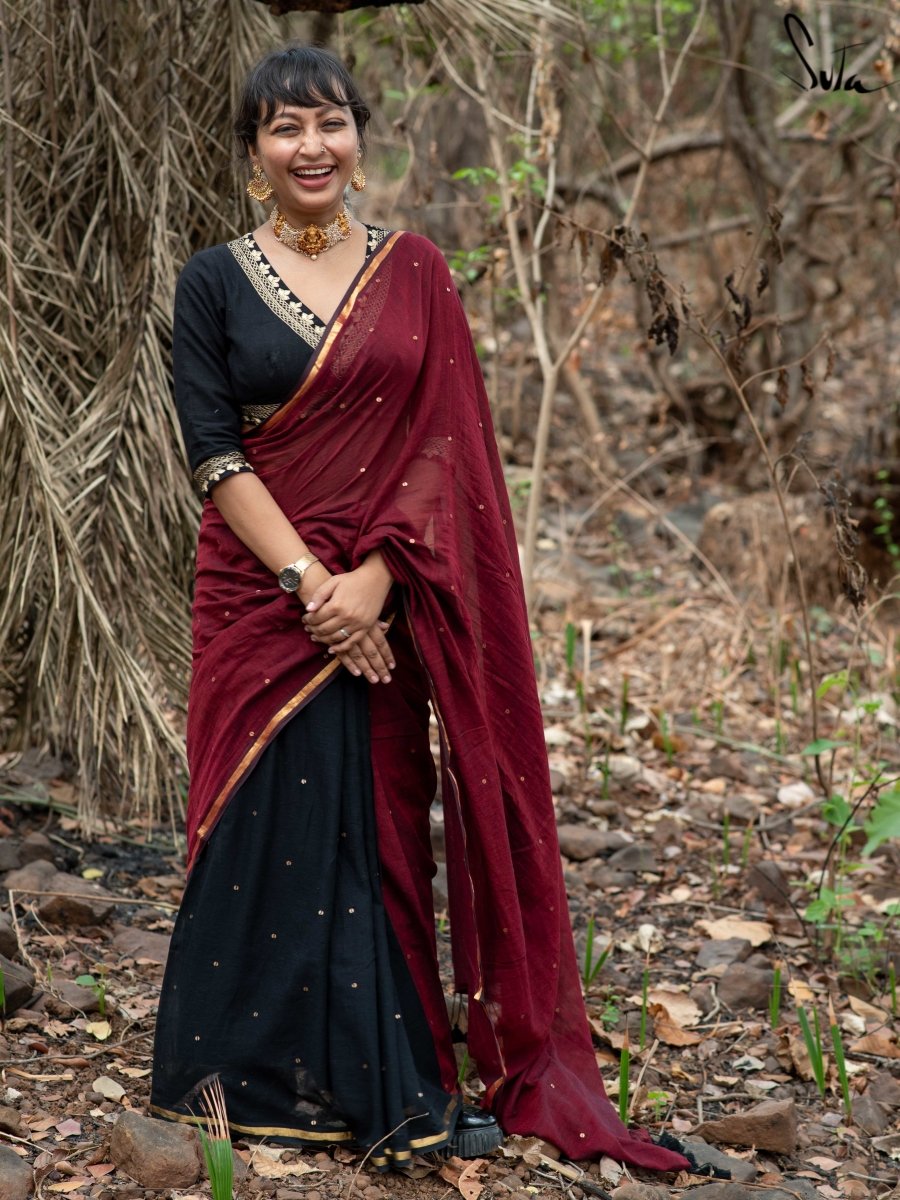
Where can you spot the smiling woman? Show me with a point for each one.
(357, 563)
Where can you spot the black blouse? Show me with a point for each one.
(241, 342)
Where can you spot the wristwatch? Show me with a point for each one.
(291, 576)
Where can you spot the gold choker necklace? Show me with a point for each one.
(314, 239)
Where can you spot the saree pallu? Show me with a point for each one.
(388, 444)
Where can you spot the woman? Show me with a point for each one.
(357, 560)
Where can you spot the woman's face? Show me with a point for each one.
(308, 156)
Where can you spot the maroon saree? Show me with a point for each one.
(388, 443)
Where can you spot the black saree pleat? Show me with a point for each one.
(284, 976)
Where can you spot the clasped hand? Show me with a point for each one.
(350, 604)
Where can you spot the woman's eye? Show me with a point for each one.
(335, 124)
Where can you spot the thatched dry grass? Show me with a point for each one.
(115, 125)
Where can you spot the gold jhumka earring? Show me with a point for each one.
(259, 187)
(358, 179)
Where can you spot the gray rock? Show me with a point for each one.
(10, 859)
(635, 857)
(581, 842)
(74, 997)
(76, 902)
(869, 1115)
(156, 1154)
(9, 944)
(16, 1177)
(141, 943)
(885, 1089)
(702, 995)
(639, 1191)
(18, 984)
(793, 1188)
(771, 1125)
(440, 888)
(743, 987)
(11, 1122)
(770, 883)
(33, 877)
(724, 952)
(36, 846)
(703, 1154)
(599, 875)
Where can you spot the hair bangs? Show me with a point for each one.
(305, 76)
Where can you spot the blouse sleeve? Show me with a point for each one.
(208, 411)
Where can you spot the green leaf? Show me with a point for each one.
(883, 822)
(820, 745)
(838, 679)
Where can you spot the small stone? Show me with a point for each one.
(76, 902)
(72, 997)
(718, 953)
(704, 1154)
(703, 996)
(601, 876)
(743, 986)
(639, 1191)
(36, 846)
(771, 1125)
(770, 882)
(440, 888)
(11, 1122)
(869, 1115)
(16, 1177)
(156, 1154)
(18, 984)
(10, 858)
(581, 842)
(109, 1089)
(634, 857)
(31, 878)
(885, 1089)
(141, 943)
(9, 943)
(373, 1192)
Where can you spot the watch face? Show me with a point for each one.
(289, 578)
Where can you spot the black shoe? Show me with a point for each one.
(476, 1133)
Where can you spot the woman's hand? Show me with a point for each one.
(343, 614)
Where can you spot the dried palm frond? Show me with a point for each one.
(115, 133)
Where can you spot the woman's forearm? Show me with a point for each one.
(253, 515)
(251, 512)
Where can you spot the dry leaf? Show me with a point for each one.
(882, 1044)
(462, 1175)
(135, 1072)
(649, 939)
(70, 1185)
(868, 1011)
(98, 1170)
(800, 991)
(757, 933)
(42, 1124)
(680, 1007)
(827, 1164)
(100, 1029)
(266, 1161)
(670, 1031)
(108, 1088)
(69, 1128)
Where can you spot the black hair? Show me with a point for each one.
(305, 76)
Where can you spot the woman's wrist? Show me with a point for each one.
(313, 578)
(374, 563)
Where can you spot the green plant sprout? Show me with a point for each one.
(609, 1017)
(666, 738)
(837, 1043)
(659, 1100)
(591, 967)
(216, 1141)
(463, 1068)
(98, 987)
(775, 997)
(813, 1042)
(726, 839)
(645, 989)
(623, 704)
(892, 987)
(624, 1062)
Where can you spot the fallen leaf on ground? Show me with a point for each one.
(69, 1128)
(670, 1031)
(108, 1088)
(70, 1185)
(100, 1029)
(266, 1161)
(98, 1170)
(882, 1044)
(463, 1176)
(135, 1072)
(680, 1007)
(757, 933)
